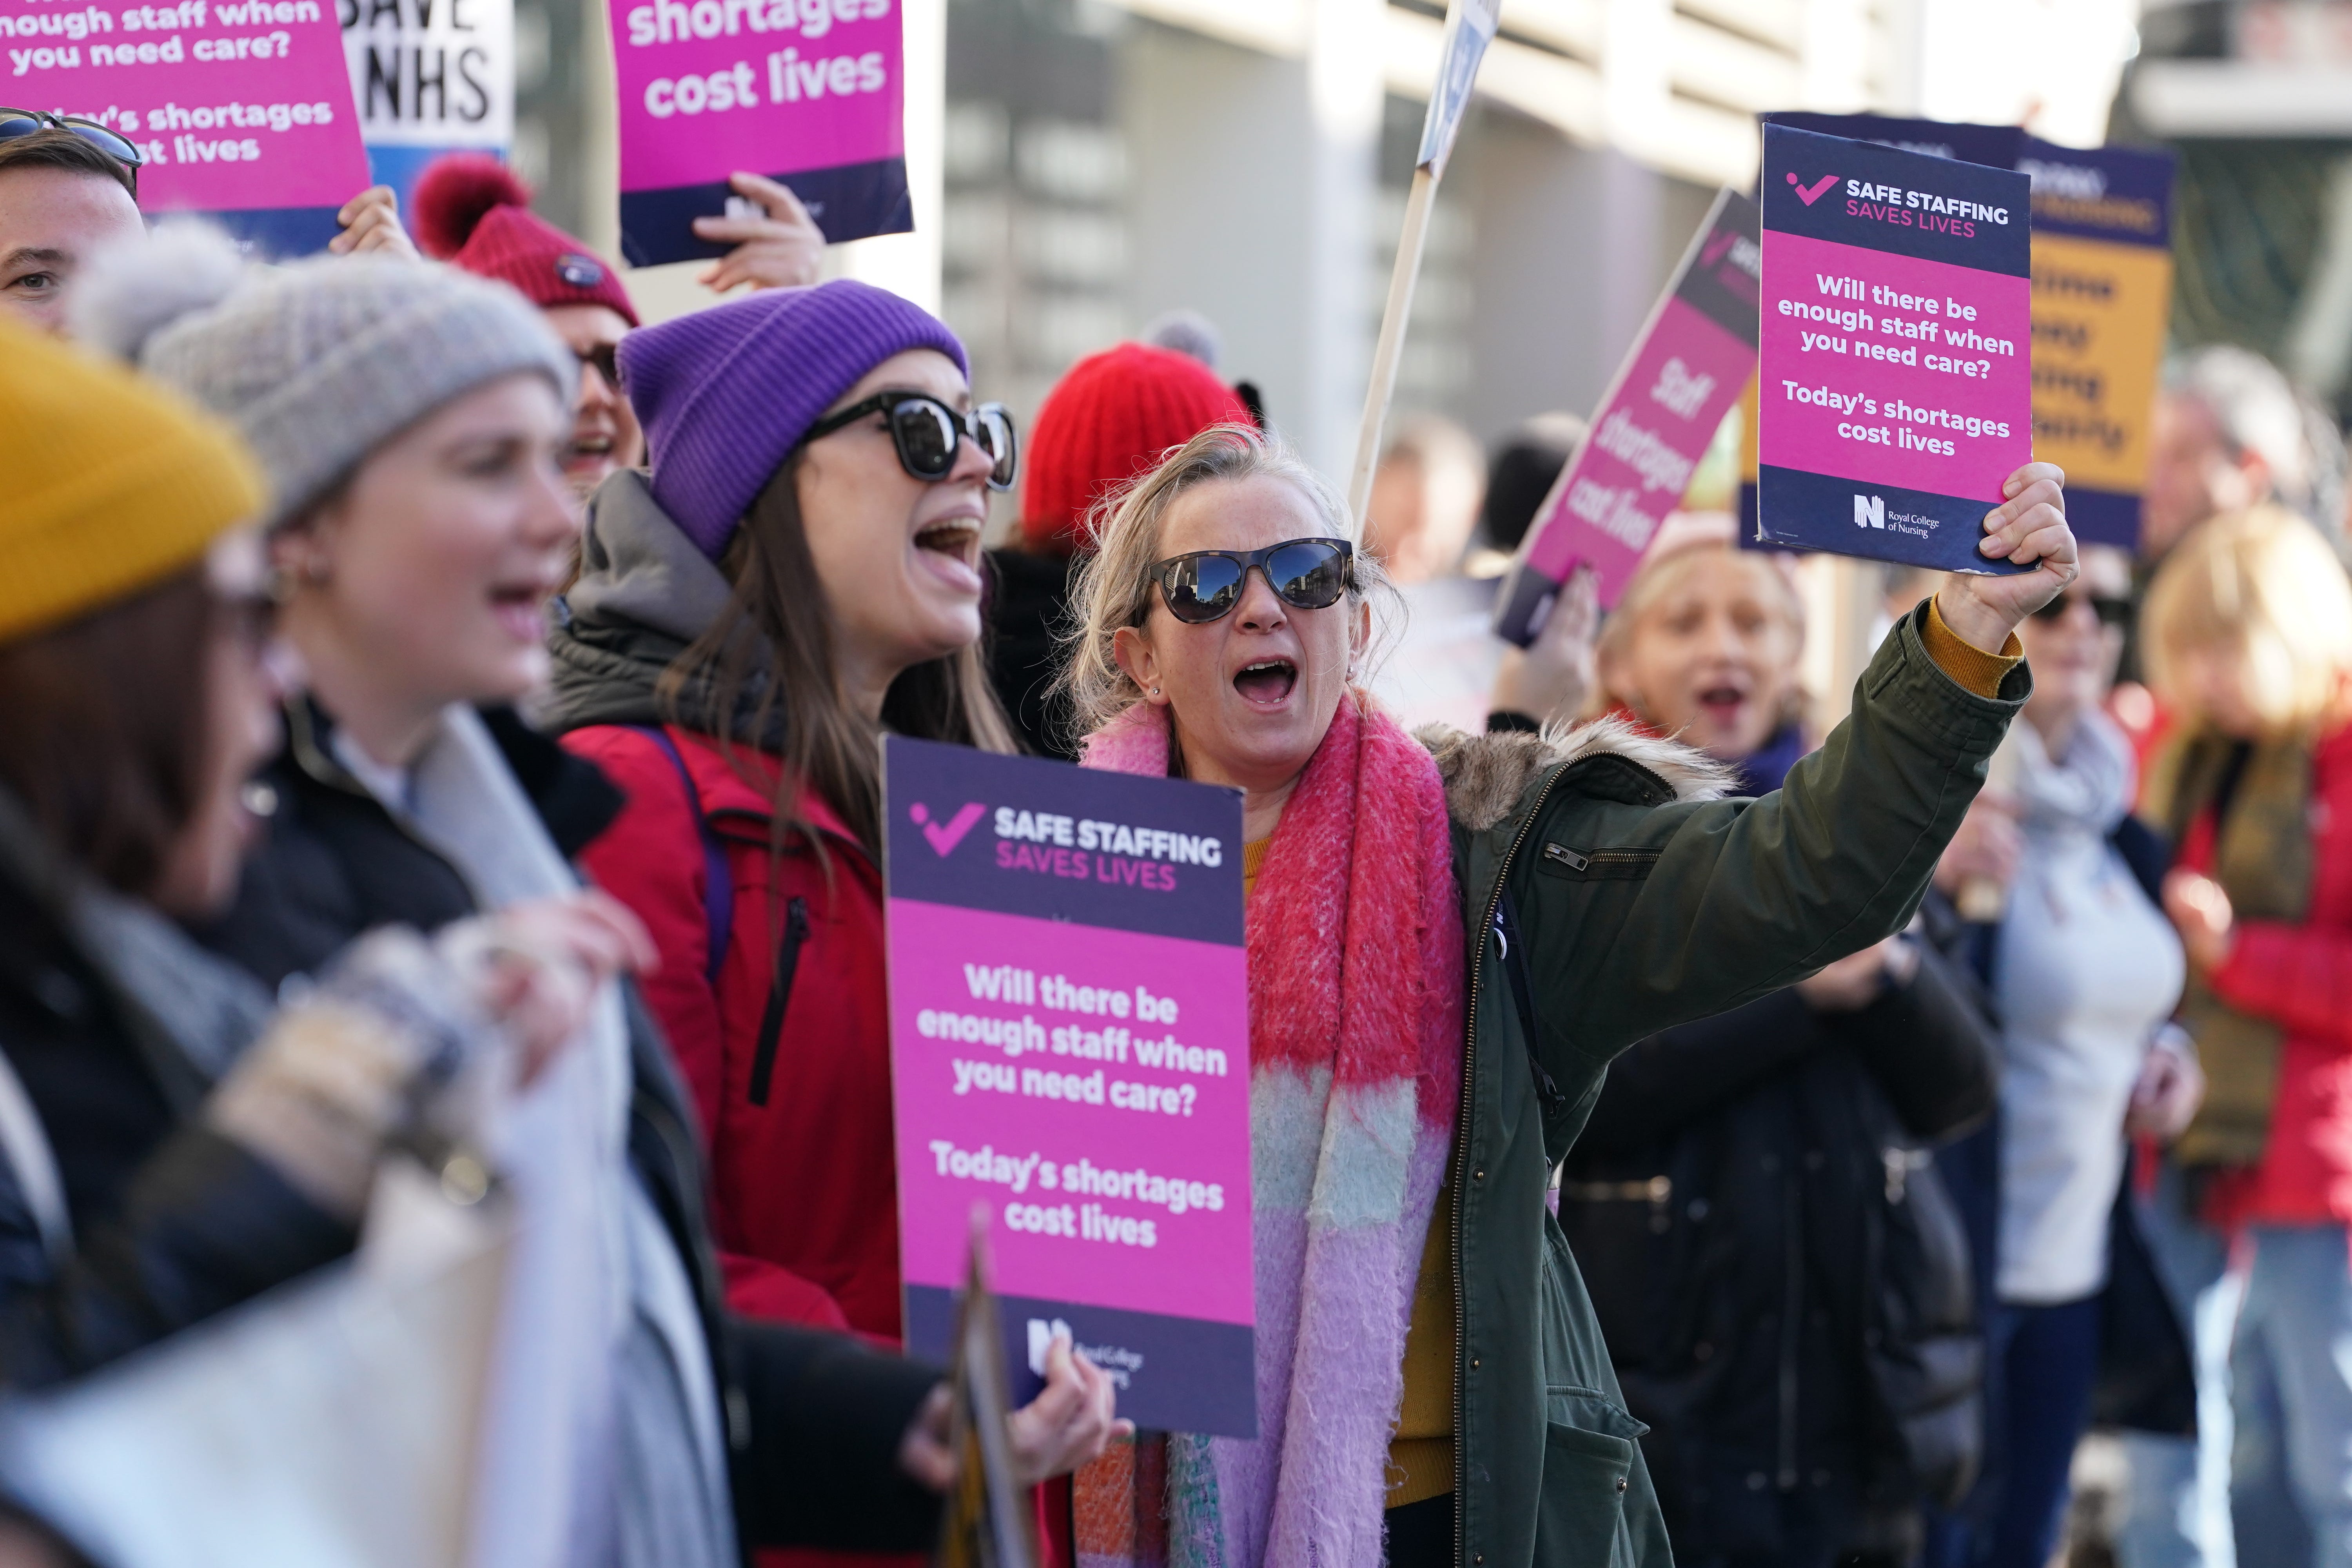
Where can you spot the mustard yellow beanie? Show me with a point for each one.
(108, 482)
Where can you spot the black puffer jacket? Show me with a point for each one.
(814, 1420)
(1028, 604)
(115, 1032)
(1783, 1286)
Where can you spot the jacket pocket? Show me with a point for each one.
(1581, 1518)
(1596, 865)
(780, 996)
(1590, 1453)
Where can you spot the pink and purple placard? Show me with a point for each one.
(1683, 373)
(1895, 368)
(1070, 1050)
(808, 93)
(243, 107)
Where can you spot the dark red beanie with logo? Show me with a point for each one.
(1110, 418)
(474, 211)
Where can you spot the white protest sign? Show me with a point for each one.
(429, 77)
(1469, 28)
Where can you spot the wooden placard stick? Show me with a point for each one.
(1469, 28)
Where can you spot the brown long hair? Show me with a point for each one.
(105, 728)
(790, 704)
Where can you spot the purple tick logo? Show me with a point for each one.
(945, 837)
(1811, 193)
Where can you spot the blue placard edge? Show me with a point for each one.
(1220, 1407)
(850, 201)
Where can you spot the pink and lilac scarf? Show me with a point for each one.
(1356, 1017)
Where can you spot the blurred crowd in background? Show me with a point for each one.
(2045, 1200)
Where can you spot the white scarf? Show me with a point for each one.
(600, 1443)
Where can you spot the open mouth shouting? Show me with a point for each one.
(951, 544)
(590, 450)
(1266, 682)
(519, 605)
(1725, 701)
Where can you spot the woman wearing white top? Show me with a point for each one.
(2086, 975)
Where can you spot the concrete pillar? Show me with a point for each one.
(908, 264)
(1835, 55)
(1570, 254)
(1252, 190)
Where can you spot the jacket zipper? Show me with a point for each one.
(780, 995)
(1600, 859)
(1462, 1152)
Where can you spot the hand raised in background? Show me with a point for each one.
(371, 222)
(2199, 911)
(1986, 850)
(1552, 678)
(779, 249)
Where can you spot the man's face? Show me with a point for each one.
(52, 221)
(2192, 475)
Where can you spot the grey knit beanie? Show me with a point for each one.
(317, 362)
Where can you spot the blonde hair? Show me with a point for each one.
(1112, 590)
(1660, 575)
(2262, 587)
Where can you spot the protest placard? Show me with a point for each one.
(1894, 364)
(2102, 226)
(1996, 146)
(242, 107)
(1748, 465)
(1662, 407)
(429, 77)
(1069, 1045)
(808, 93)
(2102, 296)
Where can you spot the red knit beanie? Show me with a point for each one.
(473, 210)
(1107, 421)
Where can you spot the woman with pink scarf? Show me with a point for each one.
(1449, 937)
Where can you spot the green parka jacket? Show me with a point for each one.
(1640, 901)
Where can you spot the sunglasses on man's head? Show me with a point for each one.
(2112, 611)
(17, 123)
(1205, 585)
(927, 434)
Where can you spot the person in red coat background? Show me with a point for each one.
(2249, 632)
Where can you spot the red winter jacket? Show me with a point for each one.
(803, 1196)
(2300, 977)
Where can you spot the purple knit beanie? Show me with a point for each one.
(726, 393)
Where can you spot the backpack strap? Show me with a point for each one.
(718, 882)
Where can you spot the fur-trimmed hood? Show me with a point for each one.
(1487, 775)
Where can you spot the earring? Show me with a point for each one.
(1155, 691)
